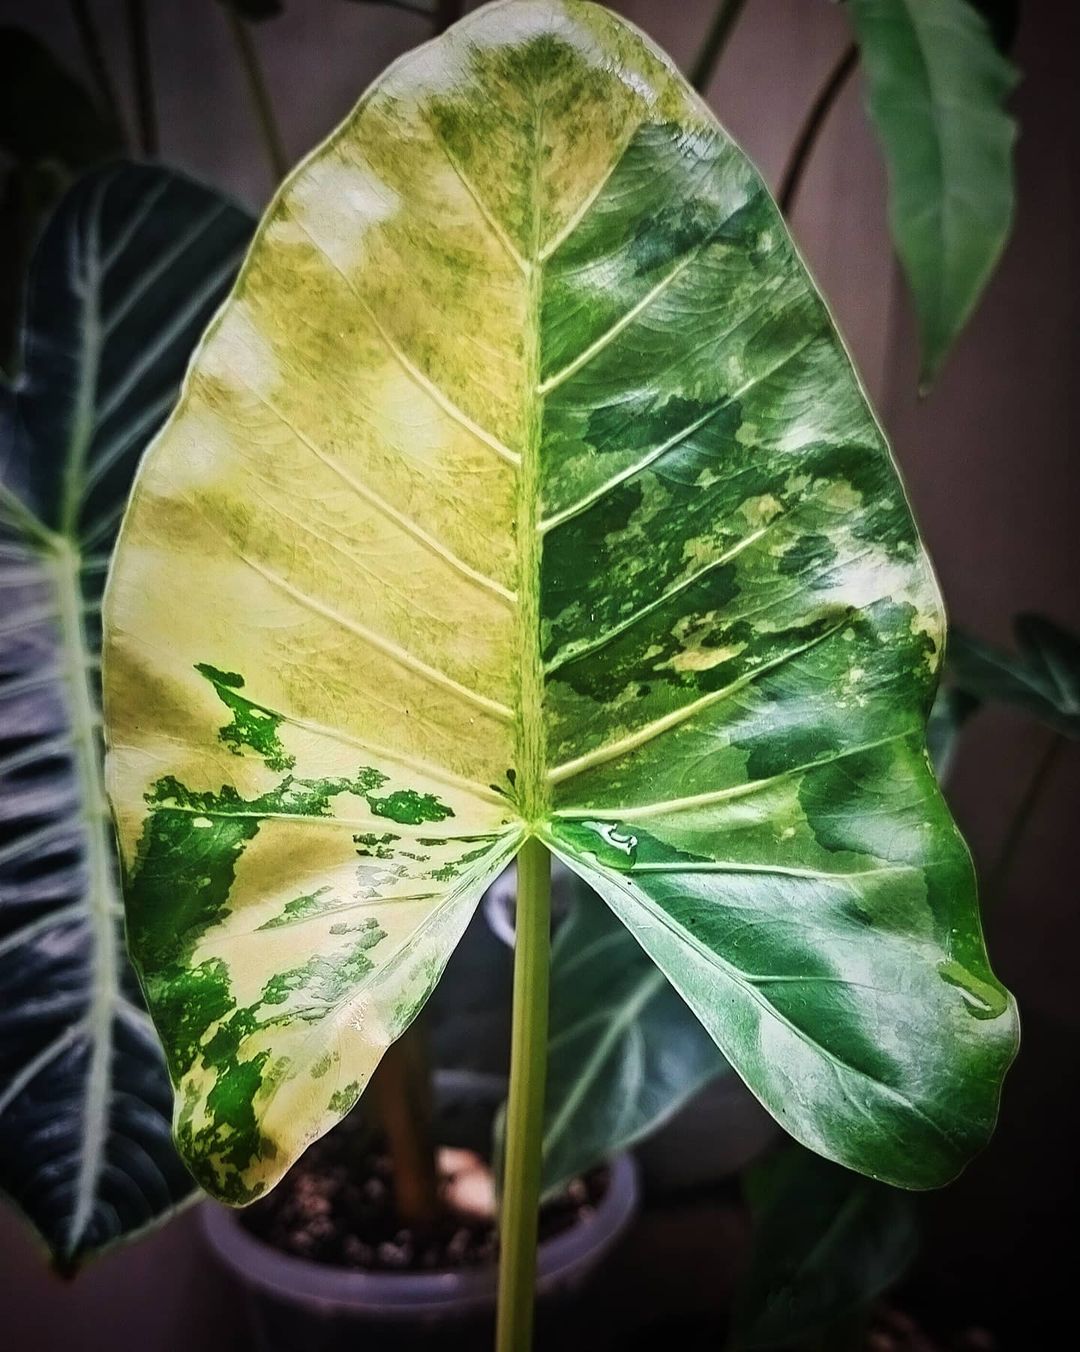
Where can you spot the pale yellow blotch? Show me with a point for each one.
(761, 510)
(703, 659)
(840, 496)
(333, 205)
(238, 354)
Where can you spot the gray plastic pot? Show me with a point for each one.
(299, 1306)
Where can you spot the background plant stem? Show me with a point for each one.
(830, 91)
(1022, 816)
(94, 56)
(715, 42)
(525, 1104)
(260, 95)
(142, 75)
(402, 1088)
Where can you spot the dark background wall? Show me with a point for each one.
(990, 460)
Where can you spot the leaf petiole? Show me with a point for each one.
(525, 1105)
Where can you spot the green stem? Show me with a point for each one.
(1022, 816)
(525, 1104)
(715, 42)
(260, 95)
(94, 56)
(829, 92)
(142, 71)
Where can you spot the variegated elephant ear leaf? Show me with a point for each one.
(523, 487)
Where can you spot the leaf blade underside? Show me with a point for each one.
(525, 479)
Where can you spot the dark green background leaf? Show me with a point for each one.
(127, 273)
(625, 1052)
(952, 709)
(827, 1242)
(1043, 678)
(936, 92)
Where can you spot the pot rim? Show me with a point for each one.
(407, 1295)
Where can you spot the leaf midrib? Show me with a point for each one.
(534, 790)
(102, 899)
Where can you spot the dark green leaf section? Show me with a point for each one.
(827, 1243)
(128, 270)
(1042, 678)
(937, 87)
(741, 640)
(252, 725)
(624, 1054)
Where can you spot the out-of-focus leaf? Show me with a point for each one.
(625, 1053)
(45, 112)
(951, 710)
(936, 92)
(127, 273)
(827, 1242)
(1042, 678)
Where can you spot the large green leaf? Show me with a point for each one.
(524, 486)
(936, 91)
(126, 275)
(1043, 678)
(826, 1243)
(625, 1052)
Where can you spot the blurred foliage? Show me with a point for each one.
(1042, 678)
(936, 91)
(827, 1243)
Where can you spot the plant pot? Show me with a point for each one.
(300, 1306)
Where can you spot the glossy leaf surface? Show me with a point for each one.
(826, 1243)
(936, 91)
(127, 274)
(1042, 678)
(524, 485)
(624, 1053)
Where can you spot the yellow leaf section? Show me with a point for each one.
(322, 675)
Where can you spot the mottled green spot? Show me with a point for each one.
(410, 808)
(343, 1099)
(253, 725)
(377, 846)
(320, 1066)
